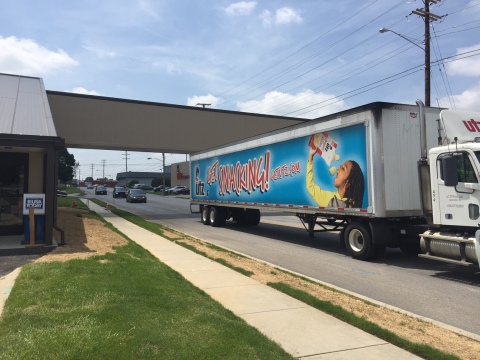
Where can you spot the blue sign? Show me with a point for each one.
(37, 201)
(326, 170)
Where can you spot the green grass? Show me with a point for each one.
(126, 305)
(423, 351)
(67, 202)
(70, 189)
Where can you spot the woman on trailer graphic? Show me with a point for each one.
(348, 180)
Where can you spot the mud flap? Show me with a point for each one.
(477, 246)
(382, 232)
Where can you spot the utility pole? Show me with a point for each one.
(163, 189)
(103, 168)
(77, 167)
(203, 104)
(126, 168)
(92, 165)
(427, 17)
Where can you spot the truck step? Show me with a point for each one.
(448, 237)
(457, 262)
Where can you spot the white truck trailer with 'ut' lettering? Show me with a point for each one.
(382, 175)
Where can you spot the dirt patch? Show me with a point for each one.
(86, 237)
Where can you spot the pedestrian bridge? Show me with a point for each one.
(96, 122)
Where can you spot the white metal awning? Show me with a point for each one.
(24, 108)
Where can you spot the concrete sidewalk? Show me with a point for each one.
(300, 329)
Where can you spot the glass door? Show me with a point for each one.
(13, 184)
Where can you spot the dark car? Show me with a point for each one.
(159, 188)
(119, 191)
(145, 187)
(176, 190)
(136, 195)
(62, 193)
(100, 190)
(185, 191)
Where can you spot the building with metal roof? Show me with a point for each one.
(28, 159)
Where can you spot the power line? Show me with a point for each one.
(304, 61)
(384, 81)
(250, 91)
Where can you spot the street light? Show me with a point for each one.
(163, 170)
(426, 50)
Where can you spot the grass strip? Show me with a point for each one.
(218, 260)
(68, 201)
(125, 305)
(70, 189)
(424, 351)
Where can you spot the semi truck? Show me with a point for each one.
(381, 175)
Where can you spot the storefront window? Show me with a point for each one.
(13, 171)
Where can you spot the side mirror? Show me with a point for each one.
(449, 170)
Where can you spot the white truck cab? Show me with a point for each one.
(455, 191)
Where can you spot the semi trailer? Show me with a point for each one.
(381, 175)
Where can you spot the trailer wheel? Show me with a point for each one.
(379, 251)
(253, 217)
(341, 239)
(217, 216)
(358, 241)
(204, 215)
(240, 217)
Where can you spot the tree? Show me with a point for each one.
(132, 182)
(159, 181)
(156, 182)
(66, 162)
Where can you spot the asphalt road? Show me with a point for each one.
(443, 292)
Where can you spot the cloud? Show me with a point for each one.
(148, 8)
(465, 67)
(306, 104)
(204, 99)
(101, 53)
(467, 100)
(241, 8)
(81, 90)
(26, 57)
(168, 63)
(282, 16)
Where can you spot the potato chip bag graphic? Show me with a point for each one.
(325, 146)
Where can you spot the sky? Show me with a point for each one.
(304, 58)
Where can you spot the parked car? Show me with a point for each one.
(100, 190)
(175, 190)
(136, 195)
(62, 193)
(159, 188)
(119, 191)
(185, 191)
(145, 187)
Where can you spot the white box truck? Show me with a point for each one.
(364, 172)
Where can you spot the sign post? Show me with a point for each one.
(33, 204)
(31, 217)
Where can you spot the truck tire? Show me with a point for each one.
(217, 216)
(253, 217)
(341, 239)
(358, 241)
(240, 217)
(205, 215)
